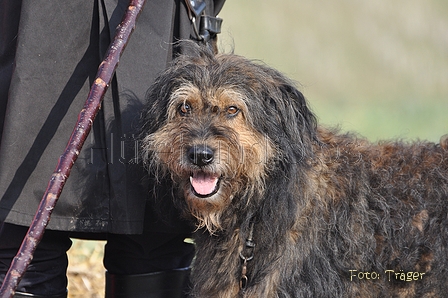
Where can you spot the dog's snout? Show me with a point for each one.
(200, 155)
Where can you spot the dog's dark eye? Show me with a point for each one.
(232, 111)
(184, 109)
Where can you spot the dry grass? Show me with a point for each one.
(85, 270)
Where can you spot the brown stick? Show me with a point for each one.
(85, 119)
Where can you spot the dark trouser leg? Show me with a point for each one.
(149, 265)
(46, 275)
(163, 284)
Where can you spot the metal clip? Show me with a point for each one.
(196, 7)
(211, 24)
(244, 279)
(250, 246)
(204, 26)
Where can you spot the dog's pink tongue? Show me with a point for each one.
(203, 184)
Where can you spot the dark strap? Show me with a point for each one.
(196, 7)
(205, 26)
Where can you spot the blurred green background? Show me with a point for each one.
(376, 67)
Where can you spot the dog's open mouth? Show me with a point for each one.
(204, 184)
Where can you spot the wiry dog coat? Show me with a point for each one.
(326, 214)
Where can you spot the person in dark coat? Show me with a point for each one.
(49, 54)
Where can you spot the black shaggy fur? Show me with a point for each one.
(333, 215)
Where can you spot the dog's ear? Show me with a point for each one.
(154, 114)
(300, 121)
(286, 116)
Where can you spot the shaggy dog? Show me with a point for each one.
(285, 207)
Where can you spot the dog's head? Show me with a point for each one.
(220, 126)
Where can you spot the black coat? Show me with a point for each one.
(58, 48)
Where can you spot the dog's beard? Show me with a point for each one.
(224, 196)
(211, 191)
(227, 182)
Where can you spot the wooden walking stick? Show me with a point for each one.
(104, 75)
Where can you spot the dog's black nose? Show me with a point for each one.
(200, 155)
